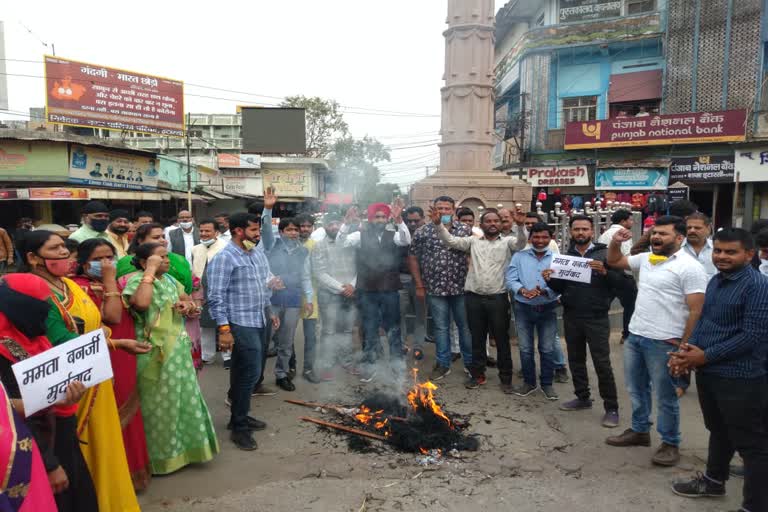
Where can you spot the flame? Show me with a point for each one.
(422, 395)
(424, 451)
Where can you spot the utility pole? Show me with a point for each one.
(189, 166)
(521, 146)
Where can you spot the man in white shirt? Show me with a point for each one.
(202, 254)
(378, 281)
(222, 220)
(669, 303)
(698, 243)
(182, 240)
(627, 291)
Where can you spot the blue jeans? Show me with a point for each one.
(541, 319)
(559, 355)
(310, 343)
(245, 372)
(645, 367)
(442, 310)
(381, 309)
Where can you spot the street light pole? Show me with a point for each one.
(189, 167)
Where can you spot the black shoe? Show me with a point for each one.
(699, 487)
(286, 384)
(310, 376)
(490, 362)
(561, 375)
(291, 373)
(244, 441)
(227, 364)
(253, 424)
(429, 339)
(272, 352)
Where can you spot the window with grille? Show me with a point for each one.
(640, 6)
(582, 108)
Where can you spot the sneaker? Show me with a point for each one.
(699, 487)
(466, 370)
(227, 364)
(439, 373)
(610, 419)
(577, 404)
(549, 393)
(418, 354)
(310, 376)
(666, 455)
(253, 424)
(524, 389)
(736, 471)
(262, 390)
(561, 375)
(455, 356)
(291, 373)
(367, 376)
(507, 388)
(244, 441)
(471, 383)
(481, 380)
(286, 384)
(630, 438)
(490, 362)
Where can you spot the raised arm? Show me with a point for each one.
(615, 257)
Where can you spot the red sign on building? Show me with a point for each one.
(81, 94)
(693, 128)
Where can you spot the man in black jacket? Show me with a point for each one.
(585, 316)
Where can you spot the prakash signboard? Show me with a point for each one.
(103, 168)
(585, 10)
(695, 128)
(557, 176)
(81, 94)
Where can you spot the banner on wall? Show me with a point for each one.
(702, 169)
(100, 167)
(287, 182)
(631, 179)
(752, 164)
(557, 176)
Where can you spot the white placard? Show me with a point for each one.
(43, 379)
(571, 268)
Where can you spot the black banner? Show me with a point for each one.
(702, 169)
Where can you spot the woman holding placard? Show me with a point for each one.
(96, 275)
(176, 419)
(24, 309)
(98, 423)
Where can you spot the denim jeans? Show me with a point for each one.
(559, 356)
(381, 309)
(542, 320)
(443, 309)
(289, 320)
(412, 312)
(645, 369)
(337, 320)
(310, 343)
(245, 371)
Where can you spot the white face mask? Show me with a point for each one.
(186, 225)
(208, 243)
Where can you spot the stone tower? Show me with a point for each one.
(467, 127)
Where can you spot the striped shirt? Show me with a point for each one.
(733, 329)
(237, 286)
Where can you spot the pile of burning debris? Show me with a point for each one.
(417, 424)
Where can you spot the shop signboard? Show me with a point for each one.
(585, 10)
(242, 161)
(113, 169)
(32, 161)
(662, 130)
(631, 179)
(243, 186)
(58, 194)
(752, 164)
(557, 176)
(702, 169)
(13, 194)
(677, 192)
(287, 182)
(82, 94)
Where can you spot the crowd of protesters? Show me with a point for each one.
(172, 298)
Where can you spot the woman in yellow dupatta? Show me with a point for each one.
(98, 422)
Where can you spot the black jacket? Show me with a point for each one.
(593, 299)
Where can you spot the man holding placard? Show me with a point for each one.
(585, 317)
(669, 302)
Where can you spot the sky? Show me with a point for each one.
(382, 60)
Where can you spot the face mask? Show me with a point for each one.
(120, 230)
(186, 225)
(379, 227)
(446, 219)
(95, 269)
(208, 243)
(26, 313)
(99, 225)
(540, 251)
(248, 245)
(61, 267)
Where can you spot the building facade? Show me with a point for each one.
(634, 100)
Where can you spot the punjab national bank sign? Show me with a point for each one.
(693, 128)
(81, 94)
